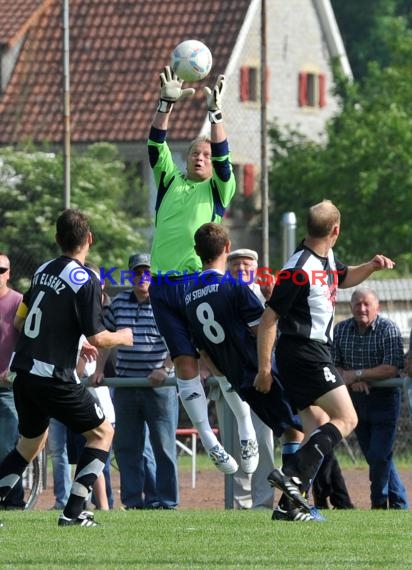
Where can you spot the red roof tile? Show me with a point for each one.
(117, 50)
(16, 16)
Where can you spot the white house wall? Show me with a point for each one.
(294, 41)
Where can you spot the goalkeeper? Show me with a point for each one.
(184, 202)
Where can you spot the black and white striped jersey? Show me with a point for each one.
(305, 294)
(63, 302)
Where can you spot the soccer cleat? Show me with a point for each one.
(290, 486)
(249, 455)
(296, 514)
(317, 516)
(223, 461)
(86, 518)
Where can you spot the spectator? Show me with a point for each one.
(65, 446)
(409, 373)
(102, 491)
(369, 347)
(184, 202)
(109, 371)
(63, 303)
(249, 490)
(102, 495)
(303, 302)
(150, 496)
(329, 488)
(62, 478)
(136, 407)
(9, 425)
(108, 362)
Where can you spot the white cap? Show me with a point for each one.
(250, 253)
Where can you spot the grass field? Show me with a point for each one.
(198, 539)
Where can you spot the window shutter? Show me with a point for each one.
(322, 90)
(303, 89)
(228, 213)
(267, 78)
(248, 179)
(244, 83)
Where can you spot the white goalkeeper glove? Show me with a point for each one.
(214, 100)
(171, 90)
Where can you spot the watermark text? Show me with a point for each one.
(263, 276)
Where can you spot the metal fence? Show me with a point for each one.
(229, 429)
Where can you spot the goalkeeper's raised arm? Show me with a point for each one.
(172, 91)
(185, 201)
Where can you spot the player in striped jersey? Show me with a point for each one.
(302, 306)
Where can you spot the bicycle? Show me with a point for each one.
(34, 480)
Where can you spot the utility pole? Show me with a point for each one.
(263, 139)
(66, 103)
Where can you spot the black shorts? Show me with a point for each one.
(306, 370)
(38, 399)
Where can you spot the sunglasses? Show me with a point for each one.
(3, 270)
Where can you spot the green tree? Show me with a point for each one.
(364, 25)
(31, 198)
(365, 167)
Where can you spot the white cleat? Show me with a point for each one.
(249, 455)
(223, 461)
(86, 518)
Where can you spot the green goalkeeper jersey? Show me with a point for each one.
(182, 205)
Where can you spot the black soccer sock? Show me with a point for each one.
(11, 469)
(289, 448)
(306, 462)
(90, 466)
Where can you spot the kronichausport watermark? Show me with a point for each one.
(262, 276)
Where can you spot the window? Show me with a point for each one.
(245, 175)
(248, 179)
(312, 89)
(250, 83)
(243, 206)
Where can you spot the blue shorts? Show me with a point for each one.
(167, 300)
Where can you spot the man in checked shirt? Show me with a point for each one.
(369, 347)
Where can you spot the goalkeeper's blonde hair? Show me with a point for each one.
(197, 140)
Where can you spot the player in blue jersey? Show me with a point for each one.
(224, 313)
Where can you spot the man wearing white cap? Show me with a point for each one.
(250, 490)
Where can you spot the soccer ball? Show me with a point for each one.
(191, 60)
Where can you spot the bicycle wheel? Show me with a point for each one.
(32, 483)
